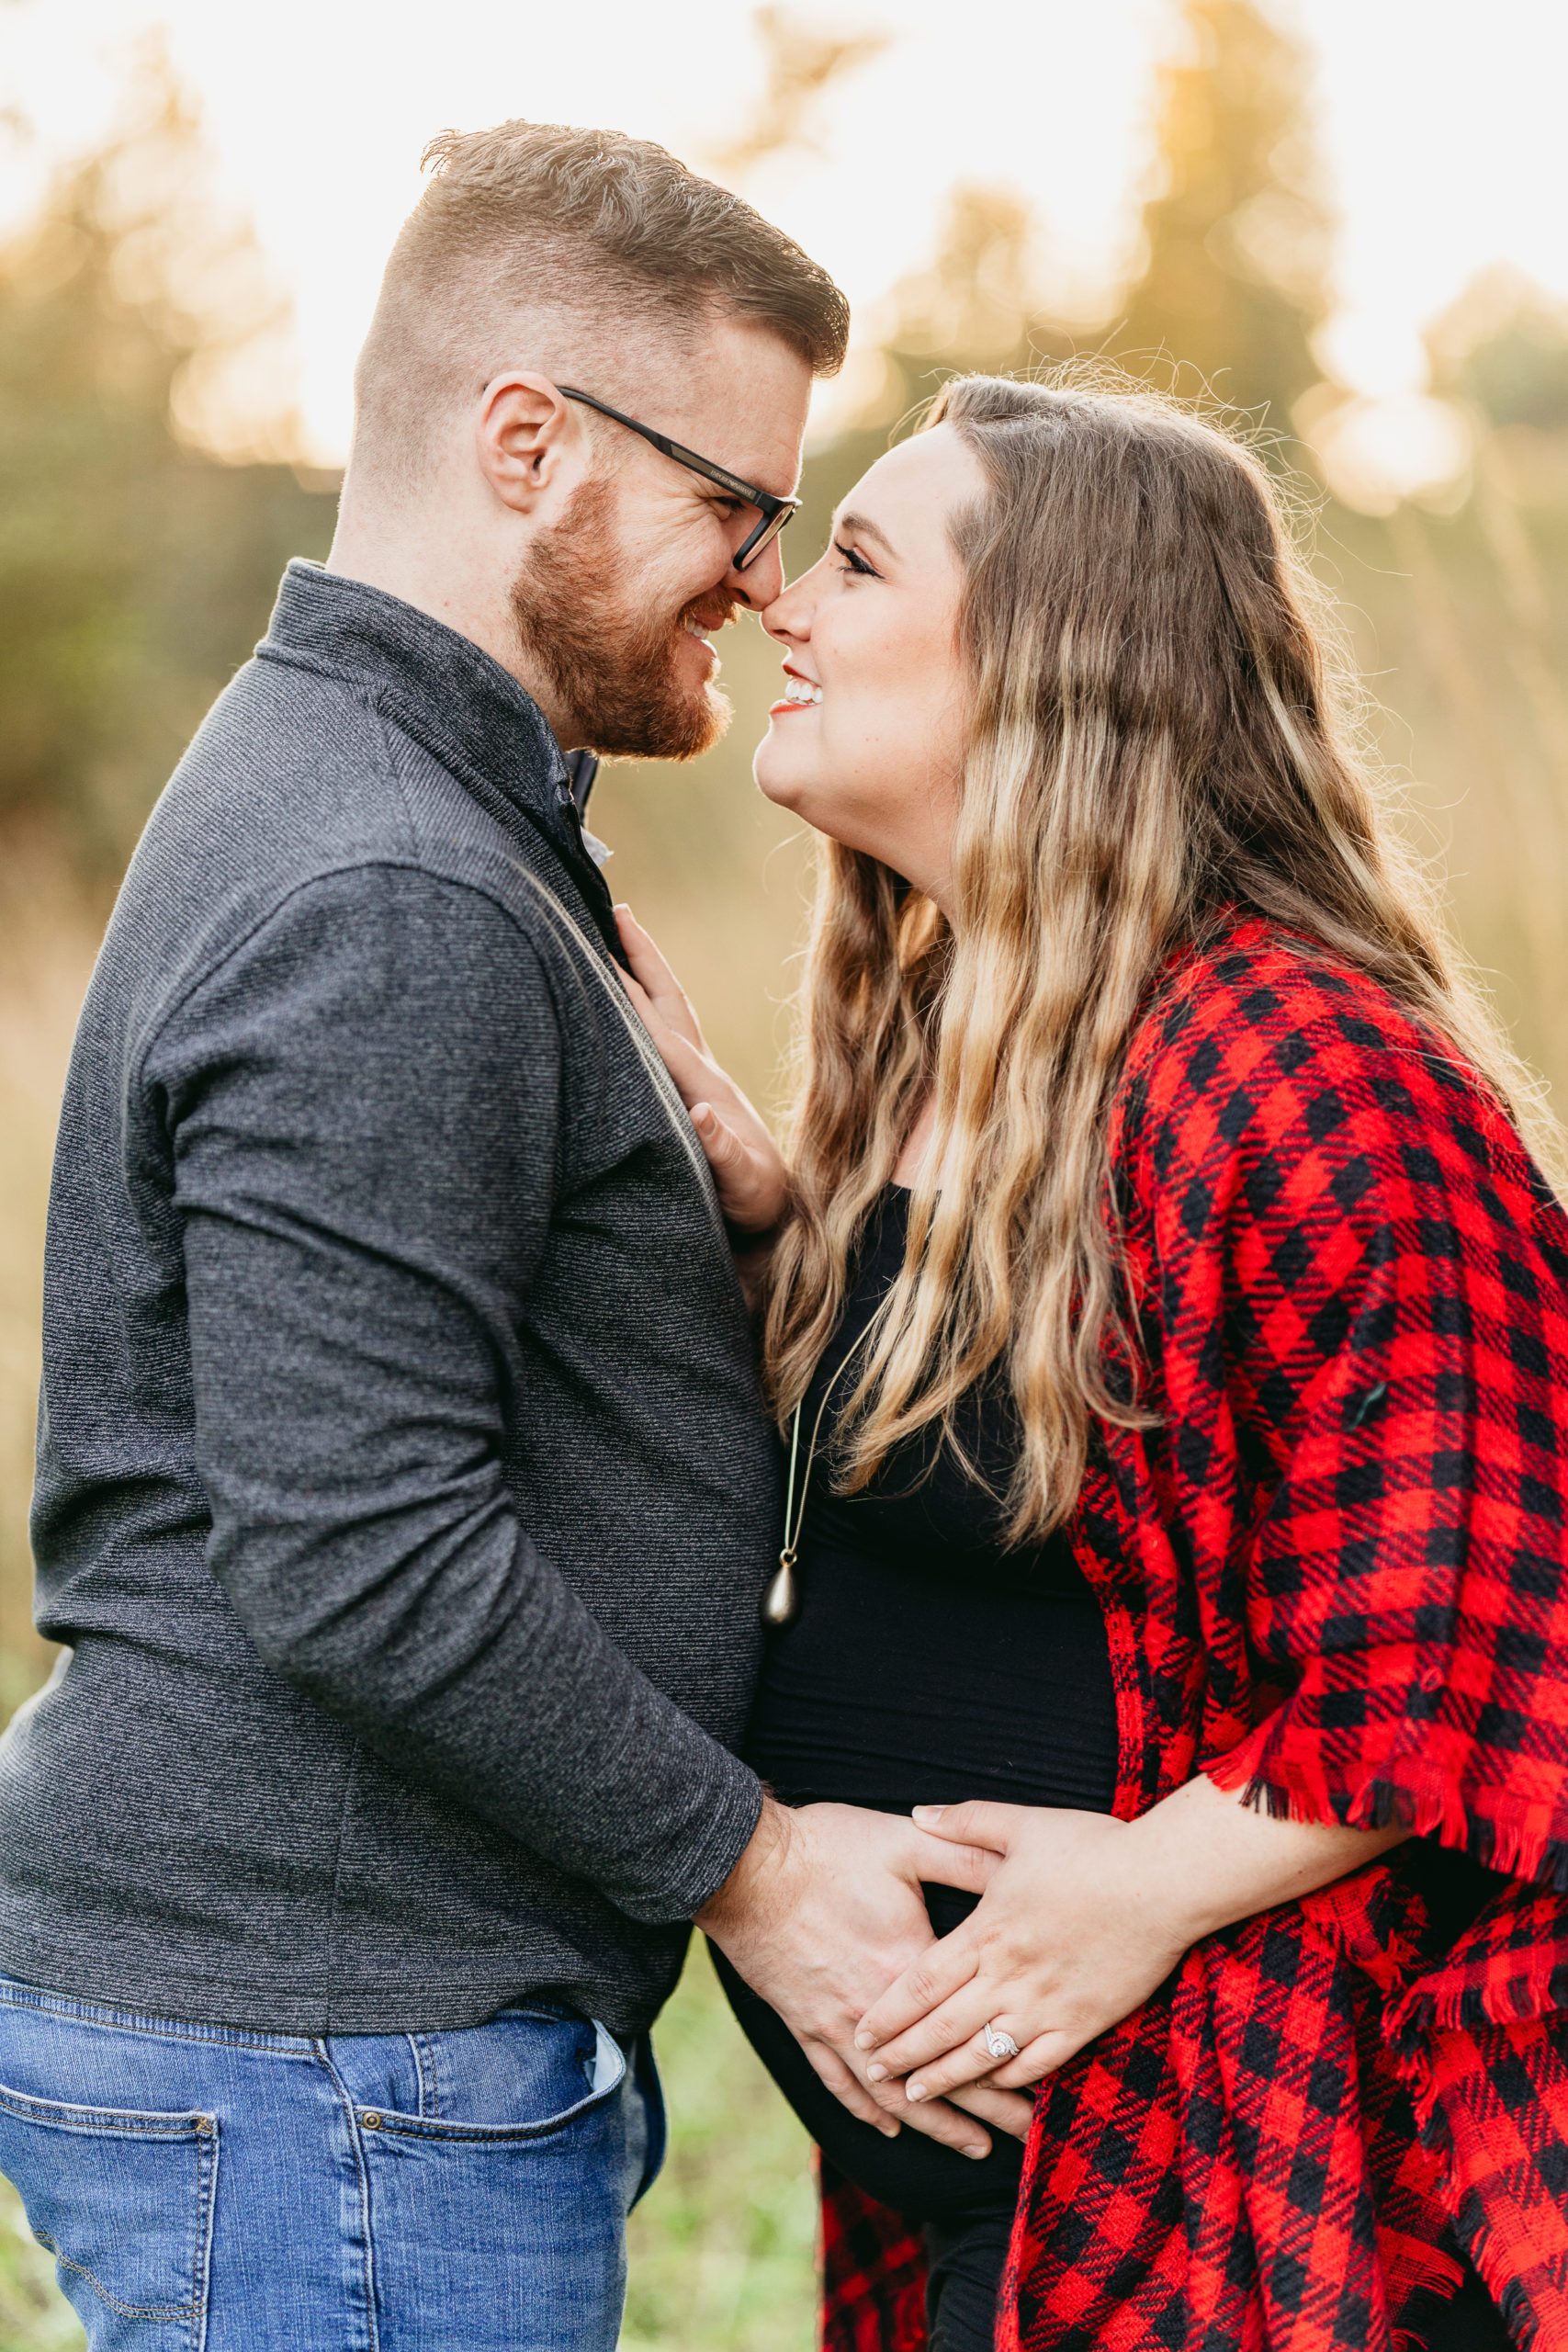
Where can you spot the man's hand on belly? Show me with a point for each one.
(821, 1913)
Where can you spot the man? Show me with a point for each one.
(403, 1494)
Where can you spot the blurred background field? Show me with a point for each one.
(150, 493)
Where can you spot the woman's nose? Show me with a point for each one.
(788, 617)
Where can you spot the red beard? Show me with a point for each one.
(614, 675)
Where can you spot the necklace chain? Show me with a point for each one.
(780, 1600)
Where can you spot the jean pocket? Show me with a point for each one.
(507, 2195)
(524, 2075)
(123, 2201)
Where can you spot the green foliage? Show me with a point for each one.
(723, 2246)
(34, 2314)
(134, 571)
(1504, 345)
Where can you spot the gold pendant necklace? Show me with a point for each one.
(781, 1600)
(781, 1597)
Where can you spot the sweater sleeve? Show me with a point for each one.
(364, 1102)
(1365, 1357)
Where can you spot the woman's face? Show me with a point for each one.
(871, 751)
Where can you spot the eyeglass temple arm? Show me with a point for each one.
(685, 456)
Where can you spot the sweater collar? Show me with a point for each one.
(450, 695)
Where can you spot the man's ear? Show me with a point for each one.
(532, 446)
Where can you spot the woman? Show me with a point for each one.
(1171, 1329)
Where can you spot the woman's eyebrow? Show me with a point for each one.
(864, 528)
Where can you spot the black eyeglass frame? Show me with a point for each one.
(775, 511)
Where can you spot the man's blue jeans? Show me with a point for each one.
(207, 2189)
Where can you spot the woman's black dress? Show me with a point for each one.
(926, 1664)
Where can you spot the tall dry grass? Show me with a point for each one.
(48, 935)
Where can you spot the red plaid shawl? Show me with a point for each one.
(1333, 1574)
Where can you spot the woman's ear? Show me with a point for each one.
(532, 445)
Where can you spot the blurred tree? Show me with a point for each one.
(1500, 353)
(803, 63)
(136, 570)
(1233, 274)
(1237, 236)
(976, 306)
(1504, 346)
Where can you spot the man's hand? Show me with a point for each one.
(821, 1913)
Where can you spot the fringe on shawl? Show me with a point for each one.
(1426, 1806)
(1478, 2241)
(1414, 2326)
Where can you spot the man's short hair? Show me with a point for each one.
(603, 244)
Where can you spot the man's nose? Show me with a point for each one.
(762, 583)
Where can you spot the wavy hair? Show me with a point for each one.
(1155, 738)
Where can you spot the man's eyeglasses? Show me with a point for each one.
(775, 511)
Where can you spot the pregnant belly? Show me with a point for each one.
(898, 1686)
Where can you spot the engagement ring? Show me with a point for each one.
(999, 2044)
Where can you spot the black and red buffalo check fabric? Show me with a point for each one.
(1333, 1574)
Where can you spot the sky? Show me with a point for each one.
(1439, 122)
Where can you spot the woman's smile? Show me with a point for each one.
(801, 694)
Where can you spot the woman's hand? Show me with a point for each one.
(748, 1166)
(1082, 1917)
(1058, 1950)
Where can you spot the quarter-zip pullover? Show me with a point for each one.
(404, 1494)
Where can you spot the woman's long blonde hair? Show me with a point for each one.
(1155, 739)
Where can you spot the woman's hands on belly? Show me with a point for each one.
(819, 1920)
(1083, 1917)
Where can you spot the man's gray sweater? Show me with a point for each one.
(404, 1494)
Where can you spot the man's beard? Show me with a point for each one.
(612, 672)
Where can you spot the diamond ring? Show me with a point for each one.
(999, 2044)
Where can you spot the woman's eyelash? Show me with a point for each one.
(855, 561)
